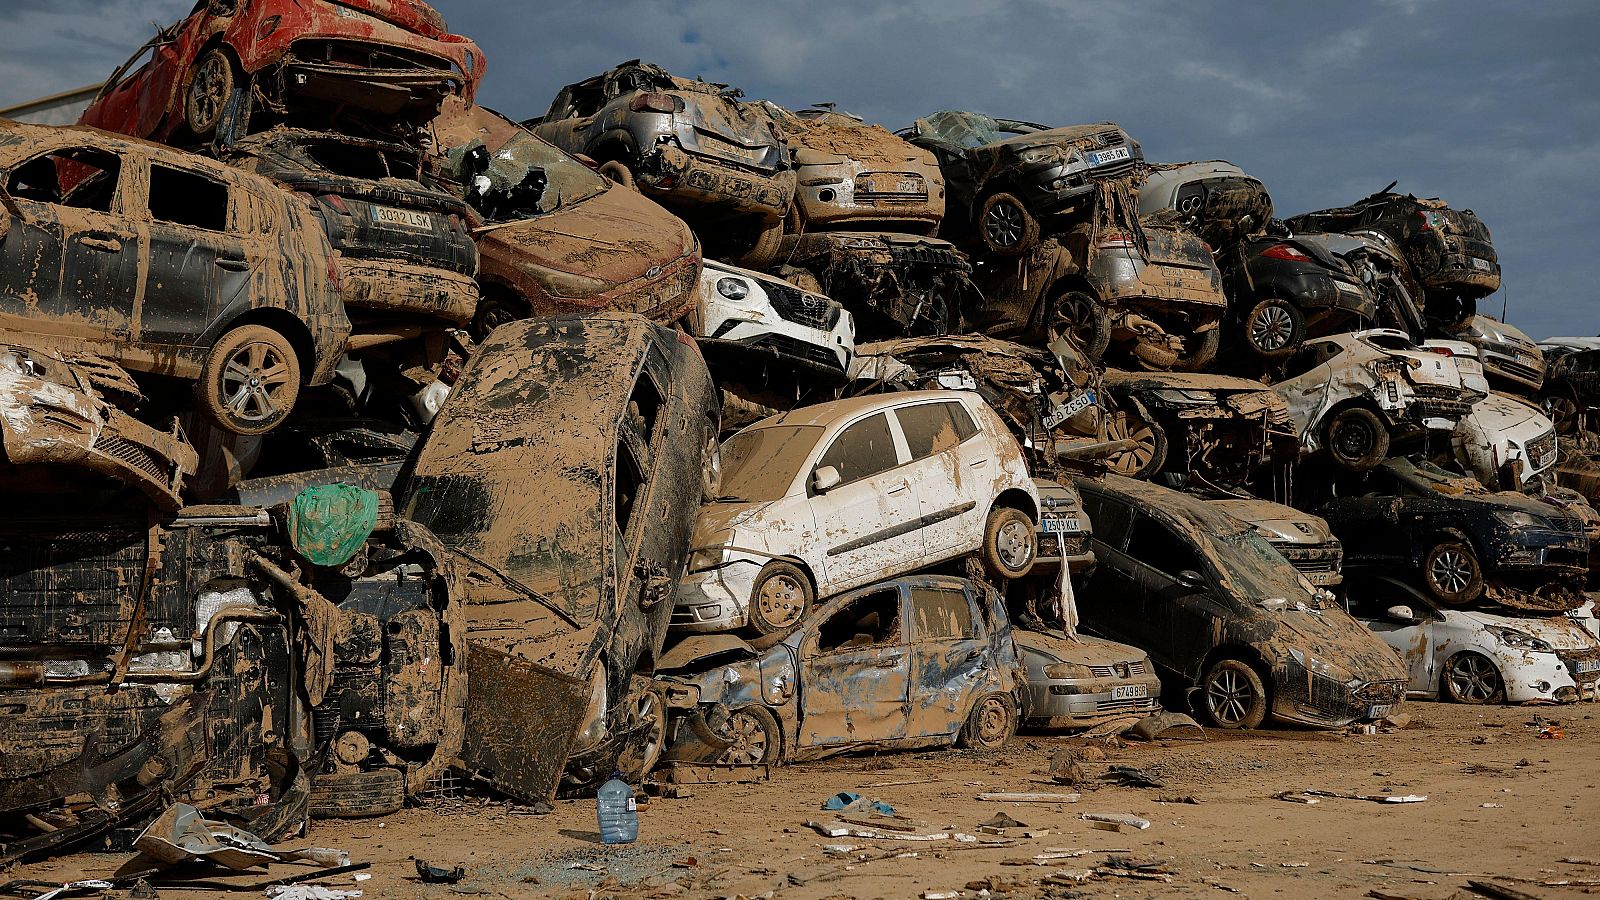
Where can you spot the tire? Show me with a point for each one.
(212, 81)
(1563, 412)
(1153, 357)
(250, 380)
(358, 795)
(1273, 329)
(1201, 351)
(1356, 439)
(1471, 678)
(1452, 572)
(755, 737)
(495, 310)
(802, 279)
(640, 756)
(1009, 544)
(780, 600)
(1233, 696)
(765, 250)
(616, 170)
(1005, 226)
(991, 723)
(1086, 320)
(1142, 461)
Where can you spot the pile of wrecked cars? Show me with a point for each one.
(365, 442)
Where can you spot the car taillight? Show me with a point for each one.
(1285, 251)
(1442, 351)
(337, 202)
(654, 102)
(1116, 239)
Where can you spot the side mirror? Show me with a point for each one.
(825, 479)
(1189, 578)
(1401, 613)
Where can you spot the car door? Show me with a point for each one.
(855, 670)
(198, 271)
(950, 653)
(1175, 619)
(870, 521)
(951, 472)
(1106, 604)
(1413, 641)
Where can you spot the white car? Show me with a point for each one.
(830, 497)
(744, 310)
(1352, 394)
(1505, 442)
(1470, 656)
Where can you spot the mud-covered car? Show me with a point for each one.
(1286, 287)
(1449, 249)
(559, 239)
(1379, 265)
(379, 62)
(1511, 359)
(747, 317)
(1064, 530)
(404, 248)
(1220, 610)
(1218, 427)
(1079, 681)
(1571, 390)
(1356, 395)
(1463, 540)
(1303, 539)
(856, 176)
(169, 264)
(1215, 199)
(1507, 443)
(895, 284)
(1006, 177)
(923, 661)
(695, 146)
(1473, 656)
(564, 470)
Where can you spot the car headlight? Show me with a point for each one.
(1518, 640)
(1067, 670)
(711, 553)
(592, 730)
(1516, 519)
(733, 288)
(1034, 155)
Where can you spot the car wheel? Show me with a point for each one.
(495, 310)
(765, 250)
(617, 171)
(1472, 678)
(1005, 225)
(1357, 439)
(1452, 573)
(1154, 356)
(357, 795)
(1149, 452)
(1008, 543)
(1080, 315)
(648, 720)
(250, 380)
(1274, 329)
(211, 83)
(1233, 696)
(1199, 351)
(991, 723)
(1563, 412)
(780, 600)
(753, 738)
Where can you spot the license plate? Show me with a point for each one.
(1115, 154)
(405, 218)
(882, 185)
(1585, 666)
(1379, 711)
(1061, 526)
(1068, 409)
(1482, 264)
(1130, 691)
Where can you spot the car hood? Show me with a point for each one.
(1054, 137)
(1332, 636)
(412, 15)
(1278, 523)
(1496, 414)
(1560, 632)
(719, 518)
(1081, 649)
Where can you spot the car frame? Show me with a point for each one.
(754, 317)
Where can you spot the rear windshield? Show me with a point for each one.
(759, 464)
(371, 163)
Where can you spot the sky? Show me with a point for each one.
(1492, 106)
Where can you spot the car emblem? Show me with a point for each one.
(652, 272)
(1121, 669)
(1304, 528)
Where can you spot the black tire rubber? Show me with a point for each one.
(496, 309)
(1152, 454)
(1009, 543)
(1452, 573)
(1005, 226)
(1471, 678)
(1563, 411)
(1356, 439)
(250, 380)
(1154, 357)
(1199, 351)
(212, 80)
(764, 252)
(990, 724)
(617, 171)
(736, 724)
(1233, 695)
(358, 795)
(1273, 329)
(1086, 320)
(789, 603)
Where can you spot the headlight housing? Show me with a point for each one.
(1068, 671)
(1518, 519)
(1518, 640)
(734, 289)
(711, 553)
(1034, 155)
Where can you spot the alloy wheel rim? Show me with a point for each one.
(1229, 696)
(1004, 225)
(1127, 462)
(781, 600)
(206, 93)
(1451, 571)
(251, 380)
(1015, 543)
(1272, 328)
(1473, 678)
(747, 740)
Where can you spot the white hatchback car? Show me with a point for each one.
(744, 310)
(830, 497)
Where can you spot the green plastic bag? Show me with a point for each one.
(330, 522)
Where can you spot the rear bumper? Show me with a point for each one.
(407, 289)
(728, 189)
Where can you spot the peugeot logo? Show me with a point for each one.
(652, 272)
(1304, 528)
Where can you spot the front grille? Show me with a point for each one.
(74, 588)
(1542, 450)
(142, 458)
(1513, 369)
(1134, 668)
(930, 256)
(788, 346)
(1050, 544)
(360, 55)
(801, 308)
(1136, 704)
(1313, 559)
(1570, 524)
(1380, 691)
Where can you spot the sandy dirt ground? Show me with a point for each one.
(1501, 803)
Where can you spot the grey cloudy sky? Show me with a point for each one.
(1493, 106)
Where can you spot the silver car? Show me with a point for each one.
(1080, 681)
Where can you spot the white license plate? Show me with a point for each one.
(1061, 526)
(1379, 711)
(1130, 691)
(1585, 666)
(405, 218)
(1068, 409)
(1482, 264)
(1115, 154)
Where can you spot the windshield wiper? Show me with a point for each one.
(519, 588)
(732, 498)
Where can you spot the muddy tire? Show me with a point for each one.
(991, 723)
(497, 309)
(1273, 329)
(780, 600)
(753, 736)
(1452, 572)
(1150, 454)
(1154, 357)
(1199, 351)
(1563, 411)
(1356, 439)
(1471, 678)
(1232, 695)
(801, 279)
(357, 795)
(640, 756)
(250, 380)
(212, 81)
(617, 171)
(1005, 226)
(1086, 320)
(765, 250)
(1009, 544)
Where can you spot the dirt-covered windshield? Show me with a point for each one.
(758, 465)
(567, 181)
(1256, 571)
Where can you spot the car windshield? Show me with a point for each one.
(567, 181)
(1256, 571)
(1422, 478)
(759, 464)
(964, 129)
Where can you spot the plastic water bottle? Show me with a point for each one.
(619, 814)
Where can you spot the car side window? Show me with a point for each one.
(934, 427)
(80, 177)
(869, 621)
(1110, 519)
(185, 198)
(940, 614)
(862, 450)
(1157, 546)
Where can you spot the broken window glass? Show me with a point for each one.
(81, 178)
(934, 427)
(941, 614)
(862, 450)
(184, 198)
(868, 621)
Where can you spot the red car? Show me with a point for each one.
(390, 58)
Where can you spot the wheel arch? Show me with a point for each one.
(285, 323)
(1017, 499)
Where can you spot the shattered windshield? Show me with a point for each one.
(758, 465)
(567, 181)
(964, 129)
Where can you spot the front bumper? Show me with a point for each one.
(728, 188)
(1523, 369)
(403, 288)
(1319, 563)
(715, 600)
(1553, 552)
(1586, 682)
(833, 196)
(1308, 698)
(1538, 676)
(1084, 703)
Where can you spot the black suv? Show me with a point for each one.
(1283, 289)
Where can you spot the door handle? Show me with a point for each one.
(978, 462)
(889, 663)
(903, 486)
(106, 245)
(232, 265)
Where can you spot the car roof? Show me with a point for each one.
(829, 413)
(1189, 510)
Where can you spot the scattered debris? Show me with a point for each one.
(1115, 821)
